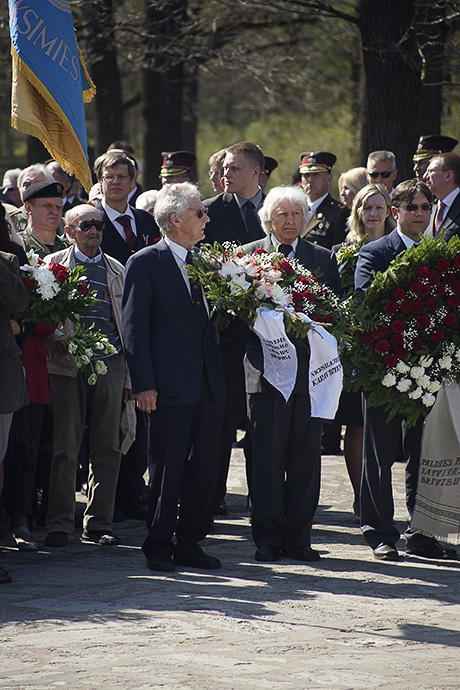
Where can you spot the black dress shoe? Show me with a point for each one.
(162, 564)
(430, 549)
(386, 552)
(303, 553)
(99, 536)
(56, 539)
(221, 509)
(196, 558)
(267, 554)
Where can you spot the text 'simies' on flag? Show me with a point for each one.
(50, 82)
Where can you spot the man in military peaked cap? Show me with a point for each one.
(177, 166)
(431, 145)
(326, 226)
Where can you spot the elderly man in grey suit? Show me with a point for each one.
(286, 440)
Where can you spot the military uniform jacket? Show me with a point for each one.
(327, 225)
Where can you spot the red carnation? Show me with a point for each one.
(390, 307)
(443, 264)
(450, 319)
(297, 297)
(324, 318)
(302, 279)
(30, 284)
(406, 306)
(239, 254)
(420, 289)
(440, 290)
(380, 330)
(417, 345)
(83, 289)
(285, 266)
(423, 272)
(390, 360)
(398, 326)
(453, 301)
(397, 340)
(434, 277)
(309, 296)
(299, 310)
(367, 337)
(59, 271)
(401, 352)
(399, 294)
(437, 335)
(260, 251)
(382, 346)
(431, 304)
(457, 261)
(417, 306)
(422, 322)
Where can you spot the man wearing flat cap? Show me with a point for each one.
(327, 225)
(429, 146)
(43, 206)
(177, 167)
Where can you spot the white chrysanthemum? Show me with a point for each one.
(428, 400)
(100, 367)
(416, 394)
(238, 283)
(424, 381)
(417, 372)
(402, 367)
(434, 386)
(426, 361)
(404, 385)
(280, 296)
(445, 362)
(389, 380)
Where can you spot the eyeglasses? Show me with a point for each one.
(112, 178)
(385, 174)
(200, 212)
(412, 208)
(86, 225)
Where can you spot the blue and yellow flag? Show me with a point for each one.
(50, 82)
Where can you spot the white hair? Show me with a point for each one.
(295, 195)
(173, 198)
(147, 200)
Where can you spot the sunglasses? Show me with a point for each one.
(412, 208)
(385, 174)
(200, 212)
(86, 225)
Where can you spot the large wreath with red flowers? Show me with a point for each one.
(406, 330)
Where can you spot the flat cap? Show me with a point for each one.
(43, 190)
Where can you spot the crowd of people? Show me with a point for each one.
(173, 396)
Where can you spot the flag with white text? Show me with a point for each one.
(50, 82)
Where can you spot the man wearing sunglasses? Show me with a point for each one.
(411, 208)
(76, 403)
(381, 169)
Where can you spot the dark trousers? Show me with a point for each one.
(183, 468)
(381, 442)
(286, 452)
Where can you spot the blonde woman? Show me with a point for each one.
(349, 184)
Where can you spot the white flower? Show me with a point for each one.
(457, 355)
(92, 379)
(72, 348)
(416, 394)
(33, 259)
(424, 381)
(252, 271)
(404, 385)
(426, 361)
(280, 296)
(272, 274)
(238, 283)
(428, 400)
(434, 386)
(72, 295)
(229, 269)
(263, 290)
(389, 380)
(110, 349)
(84, 359)
(89, 352)
(99, 345)
(402, 367)
(417, 372)
(100, 367)
(445, 362)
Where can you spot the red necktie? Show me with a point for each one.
(439, 216)
(130, 237)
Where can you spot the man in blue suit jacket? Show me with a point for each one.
(411, 207)
(177, 377)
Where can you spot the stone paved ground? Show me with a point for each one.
(89, 617)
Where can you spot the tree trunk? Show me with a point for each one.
(392, 67)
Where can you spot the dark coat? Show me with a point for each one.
(226, 222)
(113, 243)
(376, 257)
(327, 225)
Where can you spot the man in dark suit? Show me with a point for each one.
(327, 223)
(177, 377)
(286, 442)
(233, 218)
(443, 179)
(126, 229)
(411, 207)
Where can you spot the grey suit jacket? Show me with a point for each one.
(13, 298)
